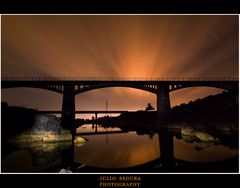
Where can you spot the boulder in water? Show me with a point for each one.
(189, 139)
(47, 123)
(79, 141)
(47, 129)
(204, 137)
(65, 171)
(187, 131)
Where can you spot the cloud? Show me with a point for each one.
(120, 46)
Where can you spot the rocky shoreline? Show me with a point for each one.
(46, 129)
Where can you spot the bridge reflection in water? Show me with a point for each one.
(133, 149)
(166, 162)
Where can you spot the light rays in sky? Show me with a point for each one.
(120, 46)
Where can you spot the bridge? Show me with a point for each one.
(96, 112)
(69, 87)
(85, 111)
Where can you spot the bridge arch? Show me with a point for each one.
(164, 100)
(46, 88)
(109, 85)
(175, 87)
(87, 89)
(119, 98)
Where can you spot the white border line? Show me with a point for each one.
(1, 92)
(238, 92)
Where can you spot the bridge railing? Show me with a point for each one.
(119, 78)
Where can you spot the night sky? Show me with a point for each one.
(116, 46)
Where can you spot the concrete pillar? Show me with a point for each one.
(163, 100)
(96, 116)
(68, 107)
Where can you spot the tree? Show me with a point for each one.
(149, 107)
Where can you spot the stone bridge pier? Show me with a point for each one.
(68, 108)
(163, 100)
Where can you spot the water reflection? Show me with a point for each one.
(173, 151)
(132, 149)
(117, 150)
(165, 139)
(33, 156)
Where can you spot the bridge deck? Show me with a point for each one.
(84, 112)
(119, 78)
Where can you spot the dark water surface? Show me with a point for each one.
(110, 149)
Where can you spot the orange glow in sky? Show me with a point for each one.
(117, 46)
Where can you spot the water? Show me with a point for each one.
(144, 150)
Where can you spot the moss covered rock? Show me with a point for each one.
(204, 137)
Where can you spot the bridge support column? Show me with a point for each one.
(68, 108)
(163, 100)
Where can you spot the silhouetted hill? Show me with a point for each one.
(217, 108)
(222, 108)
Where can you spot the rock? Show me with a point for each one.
(46, 123)
(79, 141)
(187, 131)
(189, 139)
(46, 130)
(65, 171)
(204, 137)
(28, 137)
(43, 136)
(57, 138)
(189, 134)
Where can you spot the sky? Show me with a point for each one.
(116, 46)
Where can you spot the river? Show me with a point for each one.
(112, 150)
